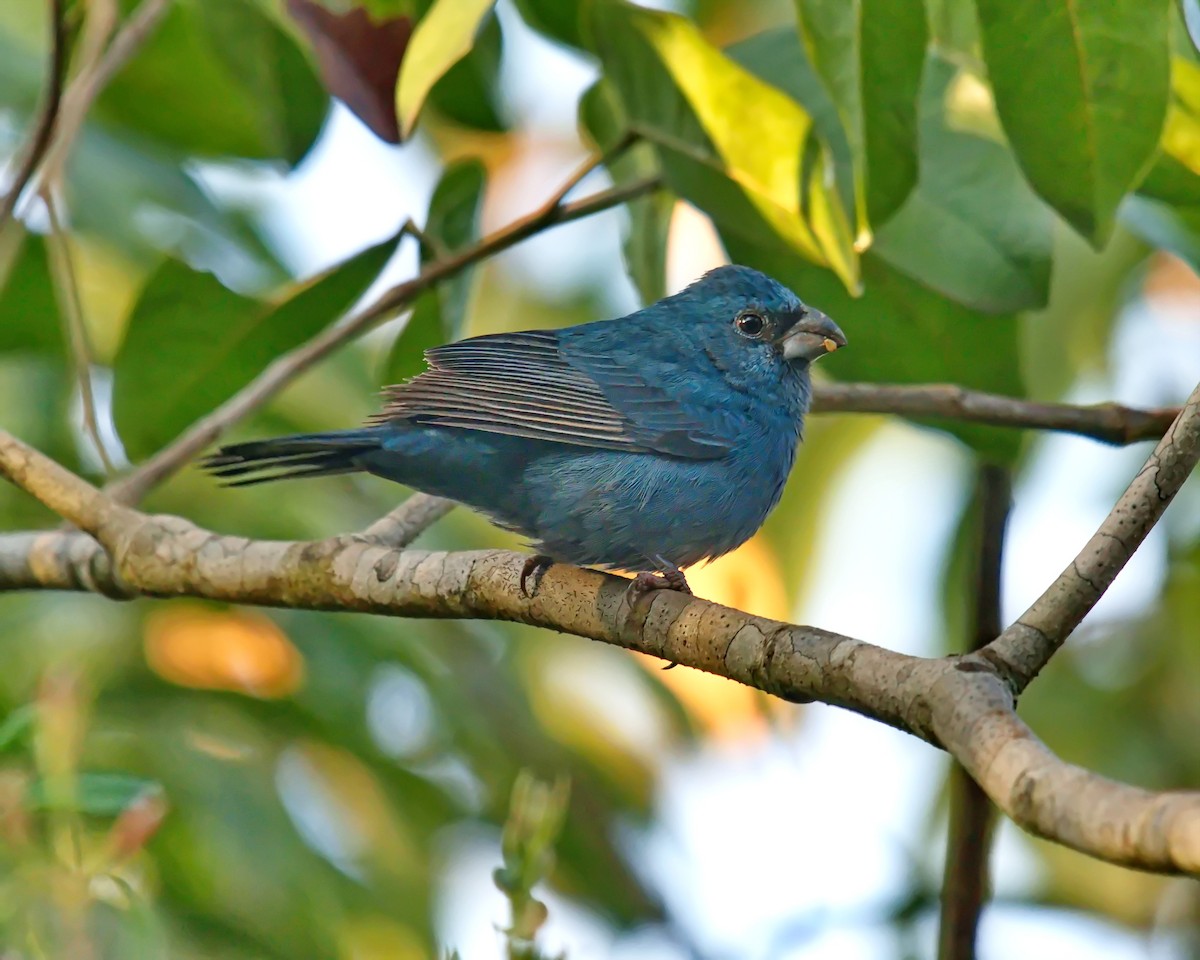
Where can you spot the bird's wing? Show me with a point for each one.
(520, 384)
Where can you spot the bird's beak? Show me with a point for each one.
(812, 337)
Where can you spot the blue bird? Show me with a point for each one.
(645, 443)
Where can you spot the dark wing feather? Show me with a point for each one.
(521, 385)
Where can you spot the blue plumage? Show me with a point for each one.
(658, 439)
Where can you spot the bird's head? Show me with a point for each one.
(750, 320)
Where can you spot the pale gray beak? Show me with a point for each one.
(812, 337)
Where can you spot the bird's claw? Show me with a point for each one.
(535, 568)
(662, 580)
(668, 578)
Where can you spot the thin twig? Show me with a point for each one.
(47, 118)
(66, 284)
(129, 39)
(965, 878)
(95, 73)
(553, 212)
(593, 163)
(1026, 646)
(1108, 422)
(287, 367)
(408, 521)
(428, 245)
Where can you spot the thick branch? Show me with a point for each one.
(961, 704)
(57, 560)
(1050, 798)
(1109, 422)
(1026, 646)
(286, 368)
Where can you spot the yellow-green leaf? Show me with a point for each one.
(1175, 176)
(442, 38)
(740, 149)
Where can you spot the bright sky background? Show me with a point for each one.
(777, 847)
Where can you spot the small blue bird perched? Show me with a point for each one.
(645, 443)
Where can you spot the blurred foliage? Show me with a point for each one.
(978, 192)
(527, 846)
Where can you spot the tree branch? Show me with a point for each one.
(43, 127)
(961, 704)
(968, 841)
(1025, 647)
(1050, 798)
(1108, 422)
(131, 488)
(408, 521)
(70, 496)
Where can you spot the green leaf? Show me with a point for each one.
(467, 94)
(219, 78)
(870, 54)
(973, 230)
(17, 728)
(645, 246)
(192, 343)
(902, 332)
(110, 177)
(29, 317)
(554, 19)
(453, 219)
(1081, 89)
(443, 37)
(1174, 229)
(452, 223)
(736, 147)
(95, 794)
(422, 332)
(953, 27)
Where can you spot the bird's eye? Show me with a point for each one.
(750, 324)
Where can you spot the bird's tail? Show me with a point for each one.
(283, 458)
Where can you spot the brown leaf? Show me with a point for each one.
(359, 59)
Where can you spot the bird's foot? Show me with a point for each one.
(661, 580)
(535, 568)
(667, 577)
